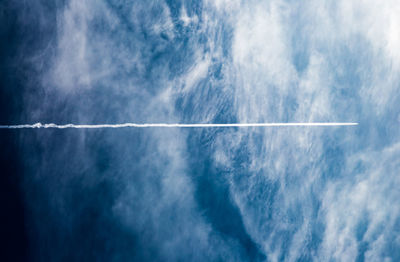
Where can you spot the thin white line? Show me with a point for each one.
(51, 125)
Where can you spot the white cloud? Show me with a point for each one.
(268, 86)
(284, 173)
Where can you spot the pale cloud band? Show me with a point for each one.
(52, 125)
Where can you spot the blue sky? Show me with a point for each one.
(239, 194)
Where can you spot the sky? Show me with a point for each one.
(200, 194)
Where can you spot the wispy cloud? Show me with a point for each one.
(290, 193)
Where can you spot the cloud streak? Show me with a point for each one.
(52, 125)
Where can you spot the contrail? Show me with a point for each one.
(85, 126)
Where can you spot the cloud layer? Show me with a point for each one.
(239, 194)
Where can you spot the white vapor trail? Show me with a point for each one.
(78, 126)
